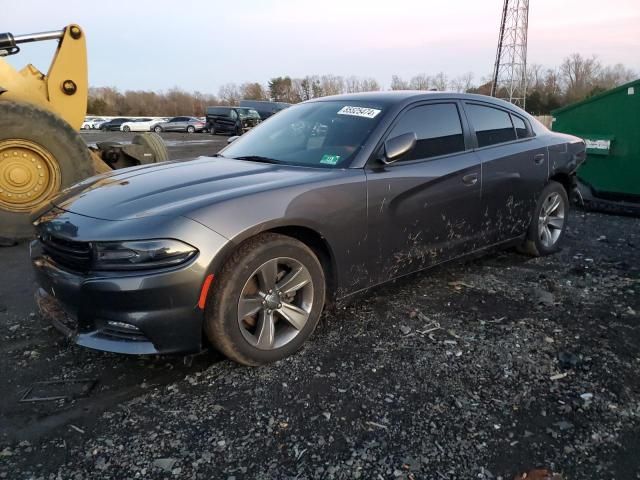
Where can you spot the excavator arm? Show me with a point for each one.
(41, 151)
(64, 89)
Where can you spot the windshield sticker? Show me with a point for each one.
(359, 112)
(330, 159)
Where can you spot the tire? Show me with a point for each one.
(238, 131)
(554, 220)
(126, 128)
(231, 335)
(212, 130)
(153, 142)
(66, 161)
(157, 129)
(191, 129)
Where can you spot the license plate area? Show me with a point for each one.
(52, 309)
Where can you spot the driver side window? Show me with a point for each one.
(233, 115)
(437, 127)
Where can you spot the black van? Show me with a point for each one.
(265, 109)
(233, 120)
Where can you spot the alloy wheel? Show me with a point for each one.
(551, 219)
(275, 303)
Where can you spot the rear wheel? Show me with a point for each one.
(212, 129)
(549, 222)
(191, 129)
(39, 155)
(153, 142)
(267, 300)
(157, 129)
(126, 128)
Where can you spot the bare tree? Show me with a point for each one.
(579, 75)
(355, 84)
(398, 83)
(615, 75)
(420, 82)
(332, 84)
(462, 83)
(253, 91)
(440, 81)
(230, 94)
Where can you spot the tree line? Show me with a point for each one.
(576, 78)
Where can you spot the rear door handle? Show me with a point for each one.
(470, 179)
(538, 159)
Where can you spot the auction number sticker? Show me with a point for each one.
(359, 111)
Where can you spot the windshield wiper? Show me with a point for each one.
(257, 158)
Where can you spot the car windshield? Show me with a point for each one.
(325, 134)
(248, 113)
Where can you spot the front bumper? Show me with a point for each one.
(144, 313)
(134, 312)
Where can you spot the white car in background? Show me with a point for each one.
(140, 125)
(91, 123)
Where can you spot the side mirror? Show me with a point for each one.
(233, 139)
(395, 147)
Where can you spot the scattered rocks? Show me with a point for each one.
(165, 464)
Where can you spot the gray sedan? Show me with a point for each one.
(180, 124)
(325, 199)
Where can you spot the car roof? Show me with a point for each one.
(395, 97)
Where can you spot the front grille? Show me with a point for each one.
(67, 253)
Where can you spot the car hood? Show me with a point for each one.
(177, 188)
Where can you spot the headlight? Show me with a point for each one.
(140, 254)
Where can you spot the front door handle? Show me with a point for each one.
(470, 179)
(538, 159)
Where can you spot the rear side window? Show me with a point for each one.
(218, 111)
(492, 126)
(521, 127)
(437, 127)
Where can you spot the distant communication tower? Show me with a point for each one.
(510, 71)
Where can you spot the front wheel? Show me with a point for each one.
(549, 222)
(126, 128)
(191, 129)
(157, 129)
(267, 300)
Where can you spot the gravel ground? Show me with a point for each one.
(479, 369)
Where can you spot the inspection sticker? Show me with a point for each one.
(330, 159)
(359, 111)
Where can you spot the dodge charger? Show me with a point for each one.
(243, 249)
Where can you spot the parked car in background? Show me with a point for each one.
(327, 198)
(233, 120)
(265, 109)
(180, 124)
(140, 125)
(91, 123)
(113, 124)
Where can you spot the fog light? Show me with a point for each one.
(125, 326)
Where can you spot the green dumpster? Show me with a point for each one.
(610, 125)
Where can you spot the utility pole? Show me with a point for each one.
(510, 70)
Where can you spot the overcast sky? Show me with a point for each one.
(196, 45)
